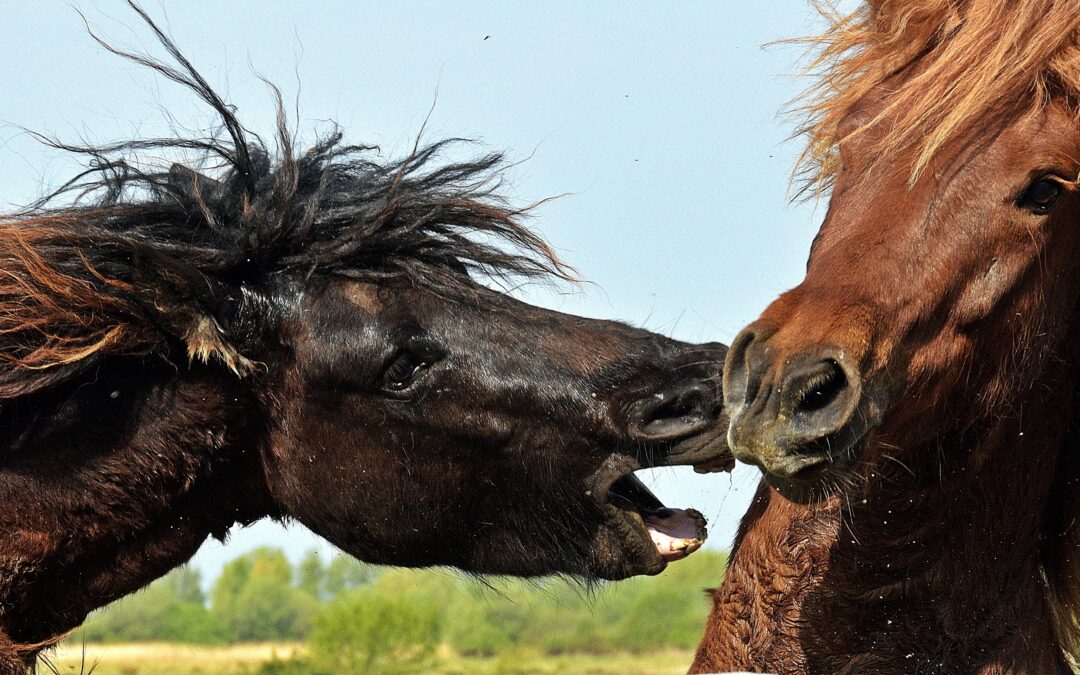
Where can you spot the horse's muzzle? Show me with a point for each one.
(796, 416)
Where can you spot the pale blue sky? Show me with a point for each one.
(658, 120)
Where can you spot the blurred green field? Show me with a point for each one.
(264, 616)
(173, 659)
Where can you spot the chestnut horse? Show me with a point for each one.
(303, 336)
(913, 402)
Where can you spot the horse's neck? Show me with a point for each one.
(109, 484)
(936, 571)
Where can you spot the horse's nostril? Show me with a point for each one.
(803, 421)
(821, 388)
(688, 401)
(674, 413)
(818, 396)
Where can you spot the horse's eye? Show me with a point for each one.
(1040, 196)
(403, 371)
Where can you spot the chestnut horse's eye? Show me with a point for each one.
(1041, 196)
(403, 371)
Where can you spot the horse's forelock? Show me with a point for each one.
(966, 60)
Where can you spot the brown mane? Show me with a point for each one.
(978, 63)
(51, 321)
(137, 261)
(135, 272)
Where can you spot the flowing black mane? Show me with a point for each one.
(123, 259)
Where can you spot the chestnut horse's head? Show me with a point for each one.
(945, 275)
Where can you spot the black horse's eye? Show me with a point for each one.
(403, 371)
(1041, 196)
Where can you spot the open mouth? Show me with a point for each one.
(676, 533)
(646, 535)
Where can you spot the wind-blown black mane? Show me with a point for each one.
(136, 258)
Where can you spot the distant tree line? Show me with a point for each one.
(258, 597)
(362, 618)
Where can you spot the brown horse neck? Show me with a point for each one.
(109, 484)
(941, 575)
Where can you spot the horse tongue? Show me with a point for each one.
(676, 533)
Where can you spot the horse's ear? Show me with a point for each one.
(190, 182)
(185, 304)
(206, 340)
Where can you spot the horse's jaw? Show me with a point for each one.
(640, 534)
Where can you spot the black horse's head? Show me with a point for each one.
(399, 407)
(416, 416)
(411, 428)
(486, 433)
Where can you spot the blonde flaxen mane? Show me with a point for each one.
(974, 62)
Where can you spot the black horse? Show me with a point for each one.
(303, 336)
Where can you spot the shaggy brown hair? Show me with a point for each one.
(978, 62)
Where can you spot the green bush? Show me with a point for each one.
(324, 582)
(255, 600)
(558, 616)
(169, 610)
(486, 620)
(364, 631)
(266, 609)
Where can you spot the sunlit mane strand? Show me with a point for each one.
(971, 62)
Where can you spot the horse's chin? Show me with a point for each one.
(640, 535)
(836, 477)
